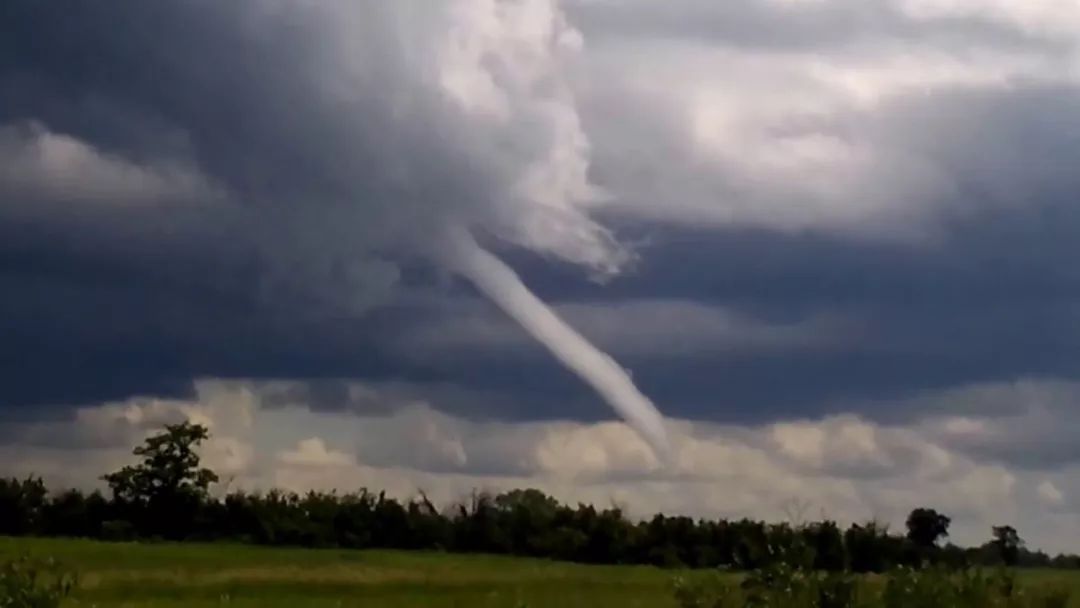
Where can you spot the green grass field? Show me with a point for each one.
(121, 574)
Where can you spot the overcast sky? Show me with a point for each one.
(834, 240)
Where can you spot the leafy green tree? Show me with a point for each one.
(164, 491)
(827, 543)
(22, 502)
(527, 516)
(870, 547)
(1008, 544)
(926, 527)
(72, 513)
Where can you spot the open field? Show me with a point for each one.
(122, 574)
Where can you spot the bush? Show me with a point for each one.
(118, 530)
(28, 583)
(781, 586)
(713, 592)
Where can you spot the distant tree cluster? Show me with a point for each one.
(166, 496)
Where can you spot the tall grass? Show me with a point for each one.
(31, 583)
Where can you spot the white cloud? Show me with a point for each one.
(594, 451)
(1048, 18)
(1050, 495)
(39, 167)
(312, 452)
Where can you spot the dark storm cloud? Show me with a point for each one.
(922, 322)
(225, 175)
(242, 227)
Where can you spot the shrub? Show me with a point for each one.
(781, 586)
(712, 592)
(118, 530)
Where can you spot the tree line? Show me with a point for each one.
(166, 495)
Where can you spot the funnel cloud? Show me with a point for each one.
(502, 286)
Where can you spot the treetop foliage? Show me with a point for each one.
(166, 495)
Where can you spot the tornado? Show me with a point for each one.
(500, 284)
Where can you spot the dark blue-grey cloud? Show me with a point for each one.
(912, 323)
(243, 226)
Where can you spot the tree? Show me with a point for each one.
(21, 505)
(827, 542)
(1008, 543)
(72, 513)
(926, 527)
(870, 547)
(168, 486)
(527, 516)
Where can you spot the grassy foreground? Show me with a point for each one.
(189, 574)
(127, 574)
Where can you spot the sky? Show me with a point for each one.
(832, 240)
